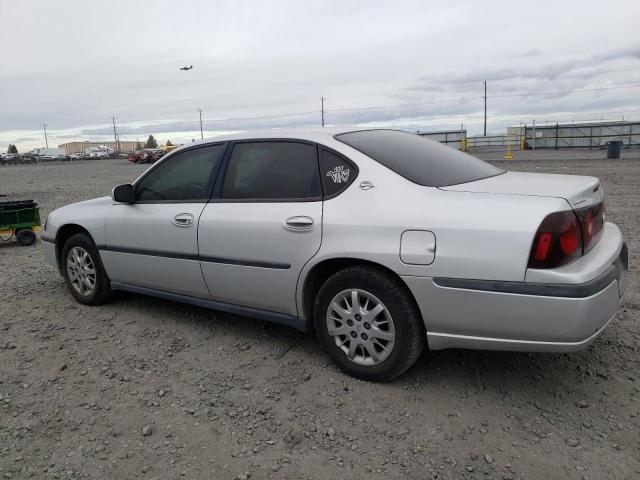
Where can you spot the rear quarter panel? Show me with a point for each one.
(478, 235)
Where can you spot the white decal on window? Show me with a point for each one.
(339, 174)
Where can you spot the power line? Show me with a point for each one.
(264, 117)
(460, 99)
(400, 105)
(566, 115)
(404, 105)
(566, 91)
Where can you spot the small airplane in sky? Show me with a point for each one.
(186, 68)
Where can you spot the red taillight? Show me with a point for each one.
(570, 238)
(564, 236)
(542, 246)
(558, 241)
(592, 223)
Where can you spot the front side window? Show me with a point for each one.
(183, 177)
(272, 170)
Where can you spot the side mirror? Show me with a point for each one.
(123, 193)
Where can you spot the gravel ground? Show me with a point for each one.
(145, 388)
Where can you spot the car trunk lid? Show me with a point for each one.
(579, 191)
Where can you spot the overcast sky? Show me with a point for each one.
(417, 65)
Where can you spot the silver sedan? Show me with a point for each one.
(380, 241)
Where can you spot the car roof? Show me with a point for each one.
(318, 134)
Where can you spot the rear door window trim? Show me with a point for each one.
(216, 196)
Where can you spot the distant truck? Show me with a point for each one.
(99, 152)
(50, 153)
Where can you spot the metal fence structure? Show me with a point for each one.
(579, 135)
(492, 141)
(453, 138)
(550, 136)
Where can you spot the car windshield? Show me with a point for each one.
(422, 161)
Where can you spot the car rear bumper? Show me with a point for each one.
(521, 316)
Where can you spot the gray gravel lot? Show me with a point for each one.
(146, 388)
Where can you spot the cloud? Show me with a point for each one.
(534, 52)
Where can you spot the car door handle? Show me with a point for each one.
(183, 220)
(300, 223)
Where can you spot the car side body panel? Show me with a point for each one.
(89, 215)
(250, 258)
(143, 247)
(482, 232)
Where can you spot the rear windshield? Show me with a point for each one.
(422, 161)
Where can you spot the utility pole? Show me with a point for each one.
(485, 108)
(322, 109)
(46, 141)
(115, 135)
(201, 133)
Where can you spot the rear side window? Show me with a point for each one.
(336, 171)
(272, 170)
(420, 160)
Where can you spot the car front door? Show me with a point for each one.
(153, 242)
(263, 224)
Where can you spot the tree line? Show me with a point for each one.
(152, 143)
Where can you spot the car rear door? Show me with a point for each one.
(153, 242)
(263, 224)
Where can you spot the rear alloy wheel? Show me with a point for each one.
(368, 323)
(361, 326)
(83, 271)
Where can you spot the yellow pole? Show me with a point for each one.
(508, 155)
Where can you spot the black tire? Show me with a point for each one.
(102, 285)
(25, 237)
(410, 337)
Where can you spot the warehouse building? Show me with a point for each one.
(82, 147)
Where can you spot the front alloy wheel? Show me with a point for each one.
(81, 271)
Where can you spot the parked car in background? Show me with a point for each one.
(16, 158)
(9, 158)
(99, 152)
(28, 158)
(136, 157)
(49, 153)
(380, 241)
(148, 155)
